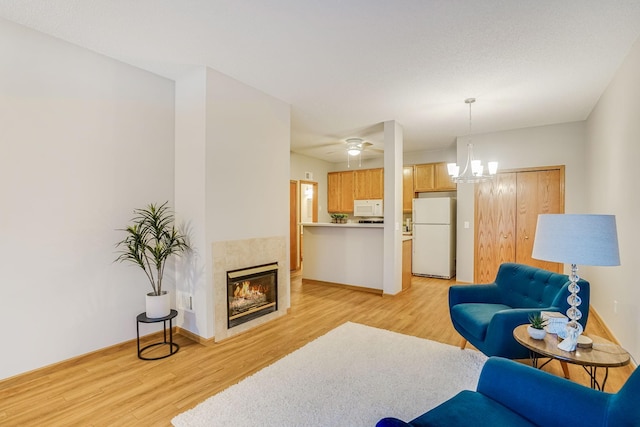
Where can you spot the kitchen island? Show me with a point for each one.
(347, 254)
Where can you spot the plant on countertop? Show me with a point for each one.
(150, 241)
(339, 217)
(537, 321)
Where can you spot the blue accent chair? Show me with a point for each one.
(486, 315)
(511, 394)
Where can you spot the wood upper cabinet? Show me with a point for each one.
(432, 177)
(340, 186)
(368, 184)
(423, 177)
(407, 189)
(442, 179)
(506, 215)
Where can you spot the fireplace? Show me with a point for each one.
(251, 292)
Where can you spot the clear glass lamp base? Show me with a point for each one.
(574, 329)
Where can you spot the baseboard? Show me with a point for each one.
(402, 291)
(344, 286)
(611, 337)
(195, 337)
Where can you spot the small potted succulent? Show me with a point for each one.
(536, 328)
(339, 218)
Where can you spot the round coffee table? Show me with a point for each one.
(603, 354)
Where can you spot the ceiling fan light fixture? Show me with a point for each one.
(354, 148)
(354, 151)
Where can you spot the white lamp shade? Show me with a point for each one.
(577, 239)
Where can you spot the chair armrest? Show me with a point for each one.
(462, 294)
(502, 325)
(541, 397)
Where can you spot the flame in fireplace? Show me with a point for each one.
(245, 290)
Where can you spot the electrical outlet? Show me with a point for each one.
(184, 300)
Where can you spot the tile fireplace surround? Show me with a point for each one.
(236, 254)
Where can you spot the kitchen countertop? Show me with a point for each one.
(405, 236)
(347, 225)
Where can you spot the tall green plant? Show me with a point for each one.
(150, 241)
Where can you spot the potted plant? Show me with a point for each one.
(339, 218)
(536, 327)
(149, 242)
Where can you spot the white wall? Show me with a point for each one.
(408, 158)
(447, 155)
(613, 149)
(561, 144)
(248, 140)
(319, 168)
(393, 144)
(190, 187)
(237, 139)
(85, 140)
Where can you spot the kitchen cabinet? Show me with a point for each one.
(432, 177)
(368, 184)
(423, 177)
(340, 192)
(407, 189)
(407, 251)
(506, 215)
(442, 179)
(346, 254)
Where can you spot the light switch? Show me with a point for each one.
(466, 224)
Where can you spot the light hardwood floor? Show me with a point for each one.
(114, 387)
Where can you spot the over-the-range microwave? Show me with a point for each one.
(370, 208)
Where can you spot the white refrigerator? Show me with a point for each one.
(434, 237)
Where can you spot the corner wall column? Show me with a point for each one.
(393, 145)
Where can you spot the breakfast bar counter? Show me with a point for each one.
(348, 254)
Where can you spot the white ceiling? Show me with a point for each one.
(345, 66)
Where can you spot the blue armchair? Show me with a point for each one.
(485, 315)
(511, 394)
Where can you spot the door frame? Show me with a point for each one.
(314, 213)
(294, 234)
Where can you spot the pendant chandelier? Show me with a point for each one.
(473, 170)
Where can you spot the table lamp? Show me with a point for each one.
(576, 239)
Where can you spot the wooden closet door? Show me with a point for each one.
(539, 192)
(495, 226)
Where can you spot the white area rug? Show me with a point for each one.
(352, 376)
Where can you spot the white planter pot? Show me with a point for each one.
(536, 334)
(158, 305)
